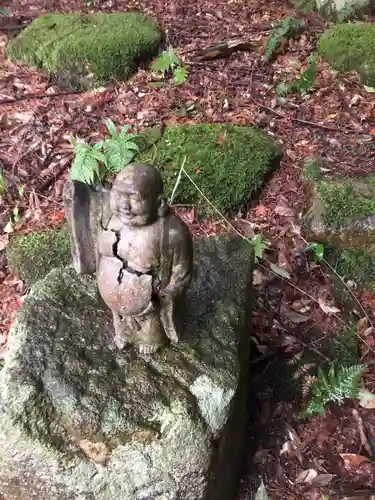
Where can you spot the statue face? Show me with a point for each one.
(136, 205)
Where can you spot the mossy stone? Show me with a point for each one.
(80, 419)
(341, 210)
(86, 50)
(351, 47)
(228, 163)
(35, 254)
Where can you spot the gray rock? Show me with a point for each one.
(80, 420)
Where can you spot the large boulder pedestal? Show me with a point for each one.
(80, 420)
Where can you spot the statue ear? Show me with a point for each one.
(163, 206)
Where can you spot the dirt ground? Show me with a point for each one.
(312, 459)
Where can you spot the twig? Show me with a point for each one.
(361, 431)
(178, 180)
(310, 348)
(307, 122)
(25, 97)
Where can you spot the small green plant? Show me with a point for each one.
(3, 12)
(287, 29)
(301, 86)
(2, 183)
(259, 245)
(346, 13)
(92, 163)
(335, 385)
(169, 64)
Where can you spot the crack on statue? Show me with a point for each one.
(115, 253)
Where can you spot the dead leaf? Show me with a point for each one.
(366, 399)
(284, 211)
(372, 131)
(353, 461)
(326, 308)
(306, 476)
(261, 211)
(322, 480)
(9, 228)
(295, 317)
(4, 240)
(362, 324)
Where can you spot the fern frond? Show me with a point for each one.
(307, 383)
(340, 383)
(303, 369)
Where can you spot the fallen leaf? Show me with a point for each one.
(261, 211)
(9, 228)
(322, 480)
(362, 324)
(353, 461)
(284, 211)
(280, 271)
(370, 90)
(372, 131)
(366, 399)
(295, 317)
(326, 308)
(306, 476)
(4, 240)
(261, 493)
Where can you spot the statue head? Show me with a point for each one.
(137, 195)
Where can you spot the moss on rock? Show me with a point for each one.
(35, 254)
(351, 47)
(83, 50)
(228, 163)
(341, 211)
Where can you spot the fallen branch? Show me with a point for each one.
(307, 122)
(26, 97)
(223, 49)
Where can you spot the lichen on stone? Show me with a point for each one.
(351, 47)
(228, 163)
(86, 50)
(33, 255)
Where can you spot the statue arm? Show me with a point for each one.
(106, 240)
(181, 259)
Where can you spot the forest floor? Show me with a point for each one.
(316, 458)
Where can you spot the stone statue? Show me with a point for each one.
(143, 259)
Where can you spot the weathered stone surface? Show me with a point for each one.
(341, 212)
(81, 421)
(35, 254)
(87, 50)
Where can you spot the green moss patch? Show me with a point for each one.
(357, 265)
(82, 50)
(228, 163)
(35, 254)
(341, 211)
(351, 47)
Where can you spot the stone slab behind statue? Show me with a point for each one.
(81, 421)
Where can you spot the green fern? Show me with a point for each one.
(169, 63)
(91, 163)
(336, 385)
(180, 75)
(288, 28)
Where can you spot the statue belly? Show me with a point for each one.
(129, 297)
